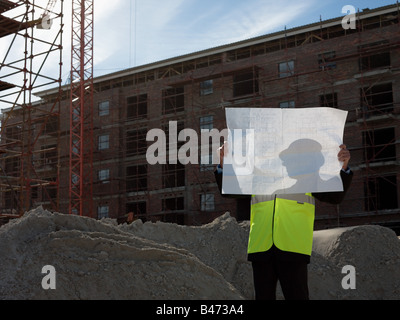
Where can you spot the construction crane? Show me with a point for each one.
(81, 104)
(50, 6)
(81, 110)
(45, 21)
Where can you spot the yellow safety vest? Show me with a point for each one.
(284, 220)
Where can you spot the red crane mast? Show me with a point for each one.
(81, 110)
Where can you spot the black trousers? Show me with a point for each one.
(292, 276)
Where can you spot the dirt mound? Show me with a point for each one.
(98, 260)
(373, 251)
(221, 245)
(103, 260)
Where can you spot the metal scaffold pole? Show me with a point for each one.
(27, 177)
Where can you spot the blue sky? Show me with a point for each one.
(137, 32)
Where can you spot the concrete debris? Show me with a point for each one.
(160, 261)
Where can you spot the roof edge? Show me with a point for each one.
(232, 46)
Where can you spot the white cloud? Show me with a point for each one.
(253, 20)
(193, 27)
(117, 32)
(162, 29)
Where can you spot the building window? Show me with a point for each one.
(104, 108)
(49, 193)
(104, 175)
(13, 166)
(381, 193)
(371, 60)
(328, 100)
(325, 60)
(207, 122)
(286, 69)
(206, 87)
(206, 161)
(173, 100)
(287, 104)
(245, 83)
(138, 208)
(379, 145)
(104, 142)
(137, 107)
(51, 125)
(173, 204)
(35, 193)
(173, 175)
(13, 133)
(375, 61)
(207, 202)
(136, 178)
(136, 143)
(377, 100)
(10, 200)
(102, 212)
(173, 143)
(48, 155)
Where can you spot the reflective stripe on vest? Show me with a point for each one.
(284, 220)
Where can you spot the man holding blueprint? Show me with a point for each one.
(281, 160)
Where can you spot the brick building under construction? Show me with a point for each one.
(321, 64)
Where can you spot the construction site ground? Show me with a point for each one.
(94, 259)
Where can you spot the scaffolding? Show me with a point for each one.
(315, 65)
(31, 31)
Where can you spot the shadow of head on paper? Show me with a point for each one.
(301, 157)
(303, 160)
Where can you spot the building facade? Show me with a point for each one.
(317, 65)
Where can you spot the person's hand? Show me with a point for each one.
(344, 156)
(222, 152)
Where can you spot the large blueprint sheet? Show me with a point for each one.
(283, 151)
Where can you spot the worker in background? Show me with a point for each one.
(130, 218)
(281, 234)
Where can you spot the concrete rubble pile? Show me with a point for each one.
(160, 261)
